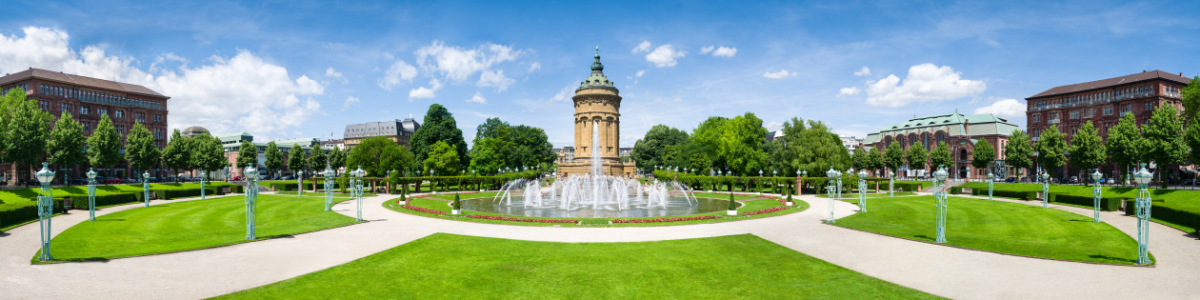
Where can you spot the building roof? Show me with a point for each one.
(235, 137)
(1104, 83)
(194, 131)
(597, 80)
(79, 80)
(954, 124)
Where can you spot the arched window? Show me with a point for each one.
(962, 154)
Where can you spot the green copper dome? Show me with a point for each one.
(597, 78)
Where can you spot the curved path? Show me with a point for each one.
(943, 271)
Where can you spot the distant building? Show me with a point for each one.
(565, 154)
(399, 131)
(193, 131)
(233, 143)
(959, 132)
(771, 136)
(851, 143)
(329, 144)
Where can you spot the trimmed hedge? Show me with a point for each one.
(1106, 203)
(17, 213)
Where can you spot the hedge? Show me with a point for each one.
(17, 213)
(1106, 203)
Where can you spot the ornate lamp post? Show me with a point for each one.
(203, 173)
(940, 201)
(91, 175)
(759, 189)
(328, 187)
(1045, 189)
(1096, 194)
(359, 190)
(862, 190)
(1143, 214)
(251, 173)
(832, 177)
(45, 205)
(300, 183)
(146, 188)
(839, 184)
(891, 183)
(991, 178)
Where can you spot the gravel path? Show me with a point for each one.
(944, 271)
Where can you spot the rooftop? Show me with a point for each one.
(597, 78)
(1104, 83)
(78, 80)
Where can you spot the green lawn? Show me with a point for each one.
(447, 266)
(1185, 201)
(870, 195)
(199, 224)
(998, 226)
(30, 194)
(322, 194)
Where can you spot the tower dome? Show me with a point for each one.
(194, 131)
(597, 78)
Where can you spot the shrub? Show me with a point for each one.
(1106, 203)
(422, 209)
(17, 213)
(769, 210)
(958, 190)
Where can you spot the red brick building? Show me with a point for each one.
(87, 99)
(1103, 102)
(959, 132)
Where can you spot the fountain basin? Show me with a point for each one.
(676, 206)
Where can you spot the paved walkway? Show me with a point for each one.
(944, 271)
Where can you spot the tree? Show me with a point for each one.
(66, 142)
(813, 147)
(104, 146)
(1191, 100)
(179, 151)
(337, 158)
(1087, 150)
(983, 156)
(443, 158)
(317, 159)
(1018, 153)
(894, 156)
(739, 144)
(1125, 143)
(439, 126)
(703, 139)
(377, 155)
(1164, 138)
(139, 148)
(916, 156)
(208, 153)
(296, 159)
(274, 158)
(24, 129)
(860, 159)
(1052, 150)
(247, 155)
(877, 162)
(1193, 141)
(648, 151)
(940, 156)
(531, 147)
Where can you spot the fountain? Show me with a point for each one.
(595, 195)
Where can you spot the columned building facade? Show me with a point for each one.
(1103, 102)
(959, 132)
(597, 117)
(87, 99)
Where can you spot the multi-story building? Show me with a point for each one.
(398, 131)
(958, 131)
(565, 154)
(772, 135)
(88, 99)
(1103, 102)
(851, 143)
(233, 144)
(329, 144)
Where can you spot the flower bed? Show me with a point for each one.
(664, 219)
(422, 209)
(498, 218)
(769, 210)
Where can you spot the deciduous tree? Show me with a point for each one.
(139, 148)
(247, 155)
(1052, 150)
(66, 143)
(1125, 143)
(439, 126)
(894, 156)
(24, 129)
(1087, 150)
(648, 151)
(179, 151)
(983, 155)
(916, 157)
(1164, 138)
(337, 158)
(274, 158)
(1018, 153)
(104, 145)
(443, 158)
(296, 159)
(940, 156)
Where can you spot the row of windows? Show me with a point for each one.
(98, 97)
(23, 86)
(1103, 96)
(1090, 112)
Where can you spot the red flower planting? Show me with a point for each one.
(773, 209)
(665, 219)
(422, 209)
(498, 218)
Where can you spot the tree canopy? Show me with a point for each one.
(894, 156)
(916, 157)
(440, 126)
(1052, 150)
(296, 159)
(1125, 143)
(337, 158)
(139, 147)
(443, 159)
(179, 151)
(317, 159)
(104, 146)
(378, 155)
(25, 129)
(1087, 150)
(1018, 153)
(649, 150)
(940, 156)
(247, 155)
(274, 158)
(66, 142)
(1164, 138)
(983, 155)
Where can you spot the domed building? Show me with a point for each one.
(597, 127)
(194, 131)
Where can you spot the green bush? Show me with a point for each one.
(957, 190)
(1106, 203)
(17, 213)
(1168, 212)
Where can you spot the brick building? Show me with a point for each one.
(1103, 102)
(87, 99)
(399, 131)
(960, 132)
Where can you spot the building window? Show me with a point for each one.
(1037, 118)
(1149, 105)
(120, 114)
(1108, 111)
(43, 105)
(1074, 114)
(87, 127)
(158, 118)
(102, 111)
(66, 107)
(1126, 108)
(121, 129)
(83, 110)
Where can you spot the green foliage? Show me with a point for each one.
(440, 126)
(337, 158)
(649, 150)
(813, 147)
(274, 158)
(941, 156)
(104, 145)
(531, 147)
(24, 128)
(317, 160)
(739, 141)
(732, 204)
(457, 203)
(139, 148)
(498, 145)
(893, 156)
(442, 158)
(1192, 138)
(1087, 150)
(860, 159)
(877, 161)
(1125, 143)
(296, 159)
(983, 155)
(179, 151)
(247, 155)
(916, 156)
(1052, 150)
(209, 154)
(66, 142)
(1018, 153)
(377, 155)
(1191, 100)
(1164, 138)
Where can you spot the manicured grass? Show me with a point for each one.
(998, 226)
(441, 205)
(322, 194)
(447, 266)
(30, 194)
(1186, 201)
(870, 195)
(464, 196)
(199, 224)
(725, 196)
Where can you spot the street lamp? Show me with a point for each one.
(251, 173)
(1143, 214)
(328, 187)
(991, 178)
(832, 176)
(203, 173)
(359, 189)
(45, 205)
(839, 184)
(862, 190)
(146, 188)
(299, 183)
(1045, 188)
(891, 183)
(1096, 194)
(939, 196)
(91, 175)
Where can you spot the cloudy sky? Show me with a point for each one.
(289, 69)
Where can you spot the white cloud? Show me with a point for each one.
(534, 66)
(424, 92)
(1004, 108)
(330, 72)
(478, 98)
(494, 78)
(564, 94)
(349, 100)
(225, 94)
(849, 91)
(643, 47)
(456, 63)
(640, 73)
(778, 75)
(725, 51)
(925, 82)
(706, 50)
(664, 56)
(864, 72)
(399, 71)
(772, 126)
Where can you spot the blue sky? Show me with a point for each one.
(293, 69)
